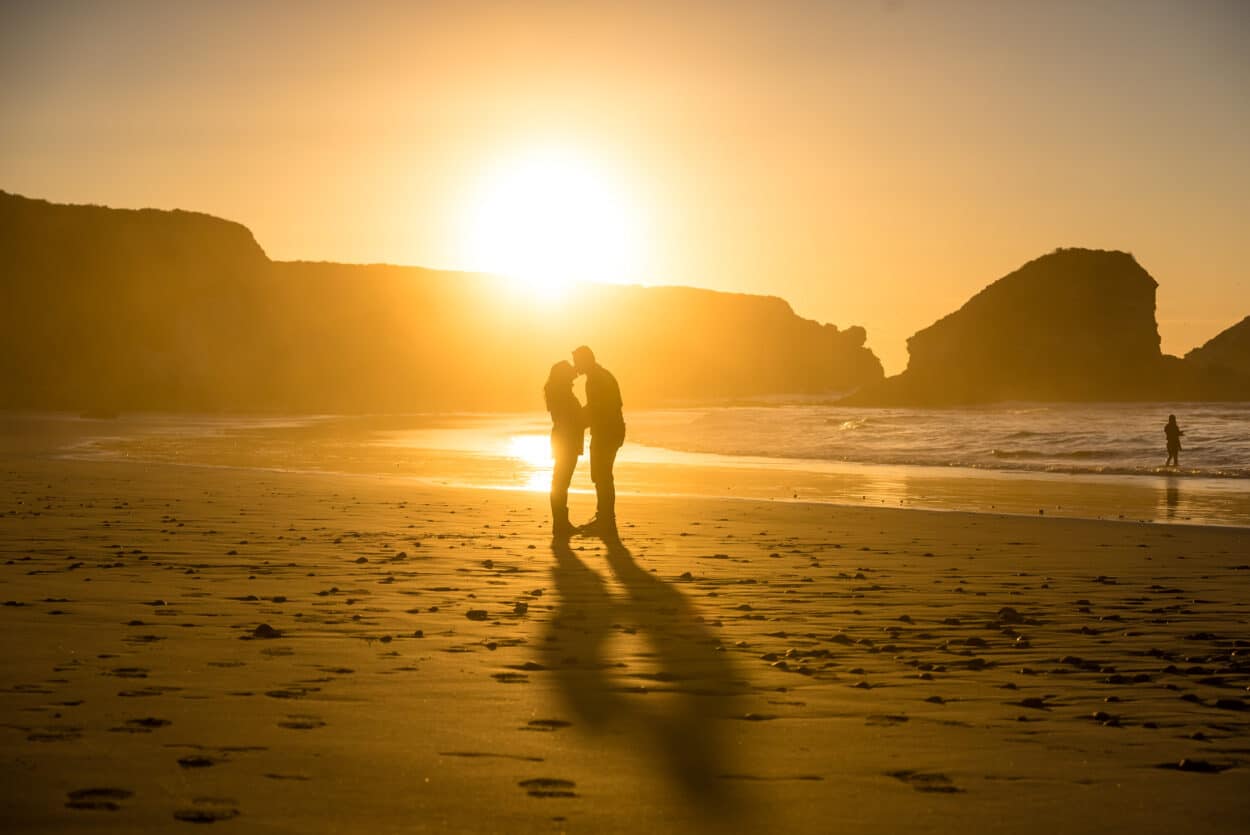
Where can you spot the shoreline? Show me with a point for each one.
(443, 482)
(439, 483)
(506, 453)
(889, 489)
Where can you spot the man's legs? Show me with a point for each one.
(602, 459)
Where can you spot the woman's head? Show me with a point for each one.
(562, 373)
(1171, 418)
(559, 379)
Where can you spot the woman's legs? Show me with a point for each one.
(561, 476)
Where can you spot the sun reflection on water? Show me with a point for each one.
(533, 453)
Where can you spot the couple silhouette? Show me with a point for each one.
(569, 420)
(684, 660)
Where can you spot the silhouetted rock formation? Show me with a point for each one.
(710, 345)
(1076, 324)
(1229, 350)
(102, 309)
(1221, 367)
(105, 309)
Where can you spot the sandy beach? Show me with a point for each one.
(294, 652)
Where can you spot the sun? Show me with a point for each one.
(550, 216)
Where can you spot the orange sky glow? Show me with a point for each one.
(873, 163)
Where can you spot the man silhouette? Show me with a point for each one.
(607, 433)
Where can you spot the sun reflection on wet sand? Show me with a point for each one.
(533, 452)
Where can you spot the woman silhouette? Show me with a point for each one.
(568, 441)
(1173, 433)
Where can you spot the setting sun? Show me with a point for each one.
(548, 217)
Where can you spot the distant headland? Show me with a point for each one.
(110, 310)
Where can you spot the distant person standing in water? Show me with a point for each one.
(607, 434)
(568, 442)
(1173, 433)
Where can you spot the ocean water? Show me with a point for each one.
(1100, 439)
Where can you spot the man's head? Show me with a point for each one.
(583, 359)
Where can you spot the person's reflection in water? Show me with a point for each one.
(1173, 497)
(698, 685)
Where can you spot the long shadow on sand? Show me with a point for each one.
(690, 684)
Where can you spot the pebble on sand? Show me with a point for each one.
(1196, 766)
(266, 631)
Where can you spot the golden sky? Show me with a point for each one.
(873, 163)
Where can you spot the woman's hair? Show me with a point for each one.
(560, 377)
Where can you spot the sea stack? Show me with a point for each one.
(1076, 324)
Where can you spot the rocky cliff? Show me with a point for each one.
(113, 309)
(1076, 324)
(1223, 363)
(101, 307)
(1228, 350)
(403, 337)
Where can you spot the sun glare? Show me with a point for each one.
(549, 217)
(533, 453)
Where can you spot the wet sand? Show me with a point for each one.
(511, 452)
(285, 652)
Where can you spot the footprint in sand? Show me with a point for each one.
(291, 693)
(922, 782)
(302, 722)
(808, 778)
(144, 725)
(144, 639)
(208, 810)
(129, 672)
(490, 755)
(1196, 766)
(61, 733)
(97, 800)
(548, 787)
